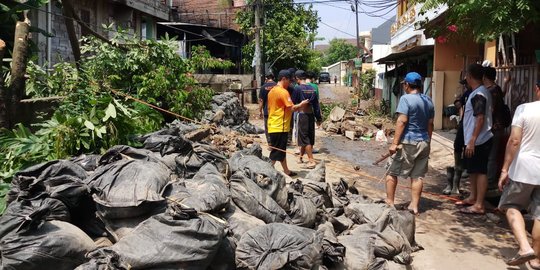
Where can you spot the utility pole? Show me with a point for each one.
(258, 52)
(357, 30)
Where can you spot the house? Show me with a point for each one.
(209, 23)
(137, 17)
(380, 40)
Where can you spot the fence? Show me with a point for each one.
(520, 88)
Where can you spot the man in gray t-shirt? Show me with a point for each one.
(477, 120)
(411, 145)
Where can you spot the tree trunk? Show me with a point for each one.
(18, 70)
(3, 111)
(68, 19)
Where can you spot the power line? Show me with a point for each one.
(339, 30)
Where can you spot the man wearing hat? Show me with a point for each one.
(306, 116)
(411, 145)
(263, 100)
(280, 108)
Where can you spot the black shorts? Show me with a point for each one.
(306, 129)
(279, 141)
(459, 142)
(478, 164)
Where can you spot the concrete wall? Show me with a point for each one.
(220, 82)
(95, 13)
(449, 62)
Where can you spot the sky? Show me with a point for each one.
(339, 15)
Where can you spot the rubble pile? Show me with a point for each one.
(355, 126)
(179, 203)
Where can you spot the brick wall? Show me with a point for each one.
(215, 13)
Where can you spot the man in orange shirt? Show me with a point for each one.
(280, 108)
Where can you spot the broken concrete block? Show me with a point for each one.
(350, 134)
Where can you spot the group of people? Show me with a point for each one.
(479, 141)
(290, 103)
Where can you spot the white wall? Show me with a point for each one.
(380, 51)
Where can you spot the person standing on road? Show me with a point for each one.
(477, 121)
(263, 100)
(411, 145)
(280, 108)
(520, 181)
(502, 119)
(306, 117)
(459, 144)
(335, 79)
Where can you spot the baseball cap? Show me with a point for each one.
(300, 74)
(284, 74)
(413, 78)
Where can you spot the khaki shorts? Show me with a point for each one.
(521, 196)
(411, 160)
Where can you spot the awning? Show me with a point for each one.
(413, 52)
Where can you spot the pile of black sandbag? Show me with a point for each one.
(179, 204)
(227, 111)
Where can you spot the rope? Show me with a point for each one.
(349, 172)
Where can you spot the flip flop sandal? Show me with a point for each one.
(533, 267)
(292, 174)
(521, 259)
(469, 211)
(463, 203)
(310, 166)
(300, 161)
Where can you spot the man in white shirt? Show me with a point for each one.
(520, 180)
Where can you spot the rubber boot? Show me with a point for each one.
(449, 180)
(457, 180)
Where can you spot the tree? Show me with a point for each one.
(339, 50)
(288, 32)
(486, 20)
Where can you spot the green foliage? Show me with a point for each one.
(367, 79)
(91, 117)
(326, 109)
(339, 50)
(485, 20)
(288, 32)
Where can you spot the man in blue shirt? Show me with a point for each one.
(411, 145)
(263, 100)
(306, 117)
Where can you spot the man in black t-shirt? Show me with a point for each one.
(263, 100)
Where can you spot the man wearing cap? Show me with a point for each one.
(280, 108)
(519, 180)
(478, 140)
(306, 117)
(411, 145)
(263, 100)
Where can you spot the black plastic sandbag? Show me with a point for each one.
(302, 210)
(359, 250)
(59, 179)
(124, 152)
(240, 222)
(318, 174)
(35, 235)
(225, 258)
(206, 192)
(178, 239)
(88, 162)
(279, 246)
(129, 188)
(249, 197)
(362, 213)
(189, 164)
(318, 191)
(333, 251)
(104, 259)
(167, 144)
(262, 173)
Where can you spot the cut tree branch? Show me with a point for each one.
(3, 109)
(15, 90)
